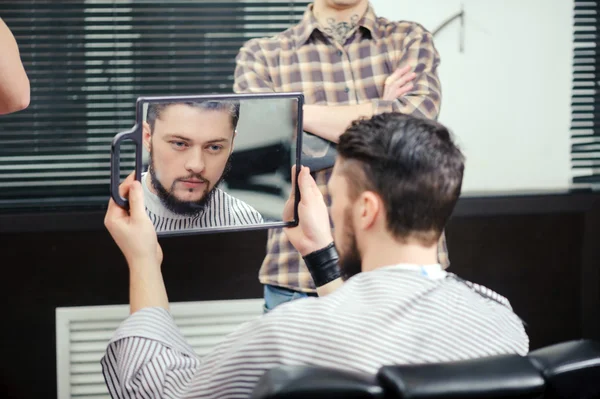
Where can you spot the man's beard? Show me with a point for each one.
(180, 207)
(350, 262)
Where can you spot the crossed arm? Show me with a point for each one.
(412, 89)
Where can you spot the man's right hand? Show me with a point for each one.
(313, 231)
(133, 230)
(398, 83)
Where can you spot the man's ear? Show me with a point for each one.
(146, 136)
(369, 209)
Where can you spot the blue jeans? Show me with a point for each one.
(275, 296)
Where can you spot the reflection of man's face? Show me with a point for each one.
(189, 150)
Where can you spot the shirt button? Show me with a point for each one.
(347, 89)
(340, 53)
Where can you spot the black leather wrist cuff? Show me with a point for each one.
(323, 265)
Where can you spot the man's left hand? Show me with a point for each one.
(398, 83)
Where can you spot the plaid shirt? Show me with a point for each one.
(304, 59)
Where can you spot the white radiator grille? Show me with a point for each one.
(82, 334)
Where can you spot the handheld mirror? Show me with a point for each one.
(214, 163)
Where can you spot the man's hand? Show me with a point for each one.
(133, 231)
(313, 231)
(398, 83)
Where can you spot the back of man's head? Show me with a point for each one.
(414, 167)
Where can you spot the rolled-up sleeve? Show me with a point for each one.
(149, 358)
(424, 100)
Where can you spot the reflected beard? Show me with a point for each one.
(350, 261)
(180, 207)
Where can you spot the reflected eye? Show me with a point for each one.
(214, 148)
(178, 145)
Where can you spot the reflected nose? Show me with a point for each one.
(195, 162)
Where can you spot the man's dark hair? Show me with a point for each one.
(155, 110)
(412, 164)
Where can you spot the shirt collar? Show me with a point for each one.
(309, 24)
(433, 271)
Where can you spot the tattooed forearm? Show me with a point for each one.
(340, 30)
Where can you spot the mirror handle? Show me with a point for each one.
(115, 163)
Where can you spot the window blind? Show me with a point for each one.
(585, 102)
(88, 61)
(83, 332)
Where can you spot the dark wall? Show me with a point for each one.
(533, 260)
(544, 259)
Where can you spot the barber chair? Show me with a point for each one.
(509, 376)
(307, 382)
(566, 370)
(570, 369)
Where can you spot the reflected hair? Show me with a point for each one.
(155, 110)
(412, 164)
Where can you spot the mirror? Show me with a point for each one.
(214, 163)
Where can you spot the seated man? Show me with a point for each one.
(190, 146)
(395, 183)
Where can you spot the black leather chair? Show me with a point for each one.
(510, 376)
(571, 369)
(304, 382)
(566, 370)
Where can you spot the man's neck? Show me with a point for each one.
(149, 183)
(387, 251)
(339, 22)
